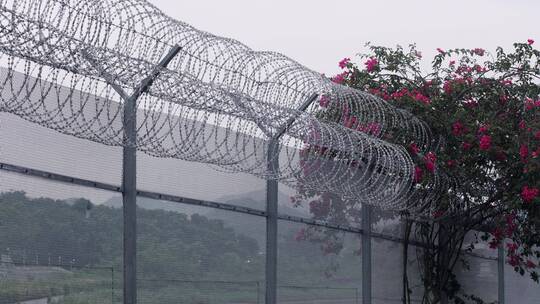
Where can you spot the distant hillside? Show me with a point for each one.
(253, 226)
(253, 199)
(169, 242)
(256, 199)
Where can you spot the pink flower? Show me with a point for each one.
(430, 167)
(530, 41)
(498, 233)
(458, 129)
(529, 104)
(339, 78)
(497, 237)
(418, 174)
(511, 224)
(422, 98)
(512, 247)
(479, 69)
(447, 87)
(493, 244)
(344, 62)
(479, 51)
(371, 64)
(399, 94)
(513, 260)
(530, 264)
(362, 128)
(483, 129)
(524, 153)
(350, 122)
(529, 194)
(414, 148)
(441, 51)
(324, 101)
(430, 158)
(500, 156)
(506, 82)
(522, 125)
(470, 103)
(452, 62)
(466, 146)
(485, 142)
(374, 128)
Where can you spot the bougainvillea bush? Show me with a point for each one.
(484, 111)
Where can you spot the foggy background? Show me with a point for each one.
(320, 33)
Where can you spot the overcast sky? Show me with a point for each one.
(319, 33)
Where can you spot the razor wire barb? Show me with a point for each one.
(218, 102)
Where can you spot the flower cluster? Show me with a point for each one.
(487, 111)
(371, 64)
(340, 78)
(484, 115)
(344, 62)
(485, 142)
(528, 194)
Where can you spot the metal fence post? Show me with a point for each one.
(501, 263)
(366, 254)
(129, 200)
(129, 168)
(272, 204)
(271, 226)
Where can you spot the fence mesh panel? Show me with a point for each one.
(64, 246)
(199, 181)
(29, 145)
(61, 242)
(477, 270)
(318, 265)
(415, 286)
(197, 255)
(478, 277)
(387, 271)
(520, 289)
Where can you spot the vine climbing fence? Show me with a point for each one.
(144, 161)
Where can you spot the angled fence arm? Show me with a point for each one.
(129, 169)
(272, 204)
(239, 104)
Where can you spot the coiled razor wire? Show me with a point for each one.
(218, 102)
